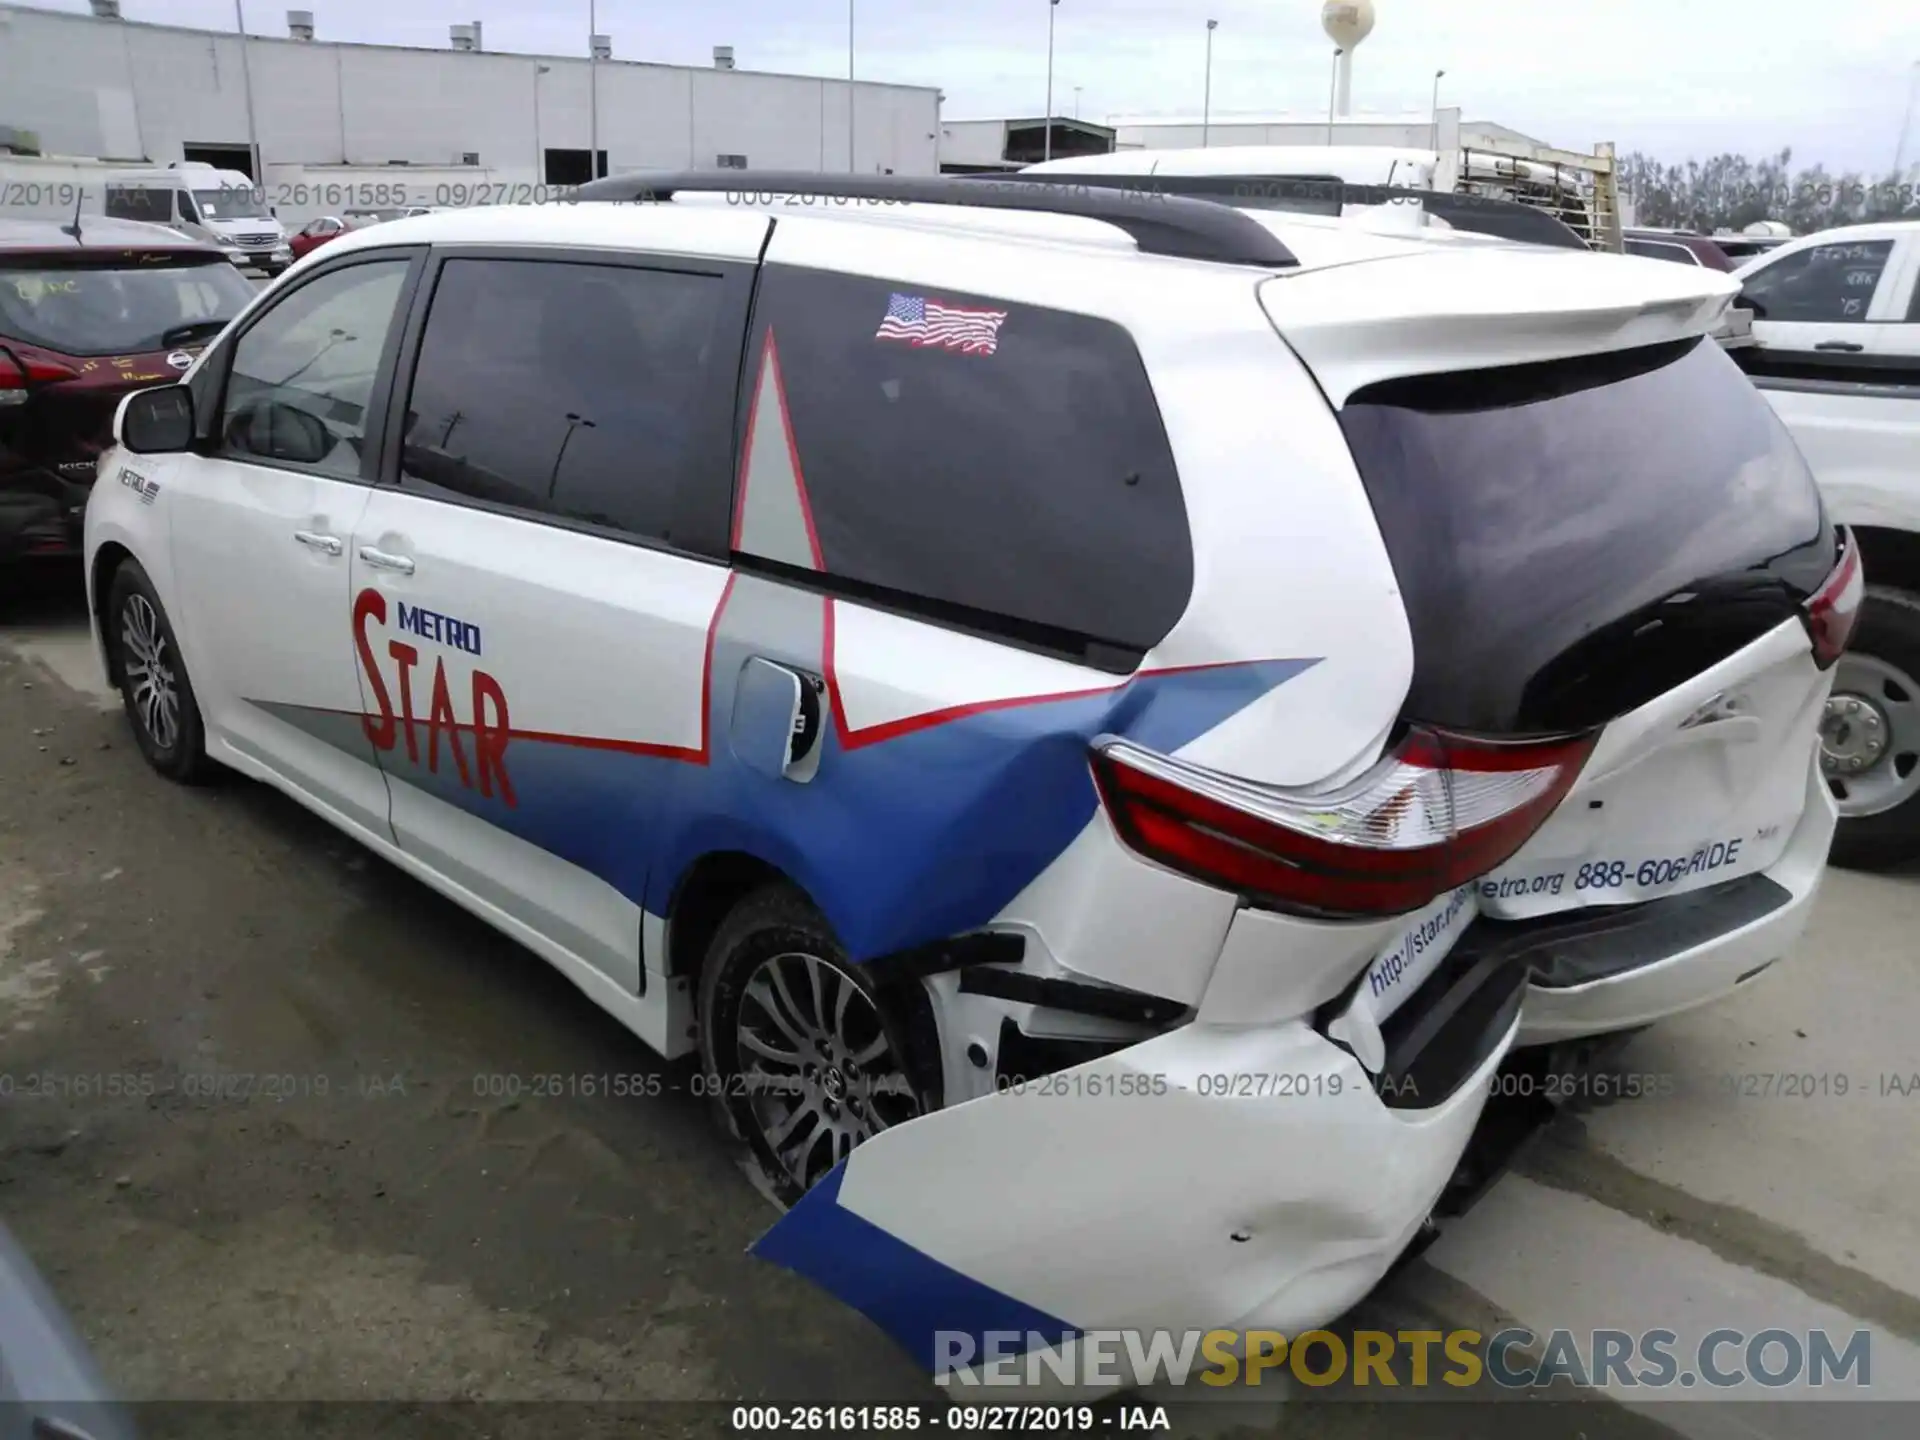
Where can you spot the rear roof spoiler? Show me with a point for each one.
(1329, 194)
(1160, 223)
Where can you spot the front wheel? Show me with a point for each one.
(153, 680)
(1870, 735)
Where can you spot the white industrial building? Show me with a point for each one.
(970, 145)
(1423, 131)
(98, 85)
(1444, 129)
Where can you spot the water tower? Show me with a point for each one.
(1347, 23)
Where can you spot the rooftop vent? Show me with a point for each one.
(602, 47)
(479, 40)
(106, 9)
(723, 57)
(462, 36)
(300, 24)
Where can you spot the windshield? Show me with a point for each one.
(118, 311)
(231, 204)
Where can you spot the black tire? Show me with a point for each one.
(1889, 630)
(136, 629)
(755, 1096)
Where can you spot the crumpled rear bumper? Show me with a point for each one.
(1211, 1177)
(1673, 955)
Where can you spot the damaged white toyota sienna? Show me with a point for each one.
(1100, 723)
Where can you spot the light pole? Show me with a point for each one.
(1906, 120)
(1436, 109)
(1332, 87)
(850, 87)
(593, 90)
(1051, 7)
(246, 75)
(1076, 102)
(539, 155)
(1206, 102)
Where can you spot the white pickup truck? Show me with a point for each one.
(1836, 324)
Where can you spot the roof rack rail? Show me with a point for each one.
(1160, 224)
(1327, 194)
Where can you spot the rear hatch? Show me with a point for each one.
(80, 328)
(1596, 523)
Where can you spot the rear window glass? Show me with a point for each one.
(1526, 509)
(1013, 468)
(91, 310)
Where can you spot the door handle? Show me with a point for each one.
(1852, 347)
(382, 560)
(325, 544)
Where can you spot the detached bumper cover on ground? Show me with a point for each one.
(1208, 1177)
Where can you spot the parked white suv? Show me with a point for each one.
(1837, 321)
(918, 642)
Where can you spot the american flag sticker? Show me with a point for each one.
(920, 321)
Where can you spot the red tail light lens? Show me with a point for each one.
(1834, 608)
(1441, 809)
(28, 367)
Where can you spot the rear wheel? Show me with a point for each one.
(1870, 735)
(799, 1052)
(153, 679)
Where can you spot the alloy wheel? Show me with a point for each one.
(818, 1069)
(147, 665)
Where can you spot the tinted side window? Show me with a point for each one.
(1014, 467)
(1826, 284)
(304, 372)
(574, 389)
(137, 202)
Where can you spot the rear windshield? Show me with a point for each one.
(999, 465)
(1535, 512)
(119, 310)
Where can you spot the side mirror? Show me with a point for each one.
(1747, 302)
(274, 431)
(155, 422)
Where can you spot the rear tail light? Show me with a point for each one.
(1833, 609)
(1439, 810)
(29, 367)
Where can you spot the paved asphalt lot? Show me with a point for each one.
(379, 1229)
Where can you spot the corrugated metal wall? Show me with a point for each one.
(130, 91)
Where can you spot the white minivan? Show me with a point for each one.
(222, 207)
(1096, 725)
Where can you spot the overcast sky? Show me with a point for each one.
(1676, 78)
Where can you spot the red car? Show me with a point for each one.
(84, 319)
(1683, 247)
(315, 233)
(322, 228)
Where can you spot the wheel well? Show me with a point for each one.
(105, 565)
(707, 894)
(1892, 557)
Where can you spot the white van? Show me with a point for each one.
(222, 207)
(1099, 881)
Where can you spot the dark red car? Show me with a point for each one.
(1681, 246)
(315, 233)
(322, 228)
(84, 320)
